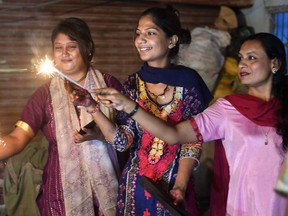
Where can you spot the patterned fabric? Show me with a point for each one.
(77, 162)
(38, 114)
(151, 156)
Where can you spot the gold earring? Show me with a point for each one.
(171, 46)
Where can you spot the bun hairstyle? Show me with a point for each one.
(77, 30)
(168, 20)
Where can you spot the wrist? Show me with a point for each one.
(135, 109)
(93, 108)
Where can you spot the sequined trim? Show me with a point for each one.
(25, 127)
(124, 135)
(191, 151)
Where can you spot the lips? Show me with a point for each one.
(66, 60)
(144, 49)
(243, 73)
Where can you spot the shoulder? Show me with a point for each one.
(42, 91)
(186, 70)
(112, 81)
(131, 80)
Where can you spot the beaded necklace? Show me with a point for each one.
(162, 95)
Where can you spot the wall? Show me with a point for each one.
(25, 30)
(258, 17)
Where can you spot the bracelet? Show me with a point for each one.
(96, 108)
(134, 110)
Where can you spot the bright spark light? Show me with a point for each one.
(47, 67)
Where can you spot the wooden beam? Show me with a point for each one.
(229, 3)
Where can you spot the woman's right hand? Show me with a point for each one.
(112, 98)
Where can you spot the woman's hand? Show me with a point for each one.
(86, 134)
(112, 98)
(81, 97)
(178, 195)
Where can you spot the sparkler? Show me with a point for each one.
(47, 67)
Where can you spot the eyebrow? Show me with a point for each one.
(149, 28)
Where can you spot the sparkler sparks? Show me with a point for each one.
(47, 67)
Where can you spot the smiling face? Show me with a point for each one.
(67, 56)
(152, 43)
(255, 67)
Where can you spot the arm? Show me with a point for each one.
(108, 128)
(14, 142)
(180, 133)
(178, 191)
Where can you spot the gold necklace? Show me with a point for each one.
(162, 95)
(266, 141)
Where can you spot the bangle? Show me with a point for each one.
(95, 109)
(134, 110)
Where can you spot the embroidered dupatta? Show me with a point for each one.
(86, 169)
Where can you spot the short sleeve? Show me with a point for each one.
(111, 81)
(34, 112)
(211, 122)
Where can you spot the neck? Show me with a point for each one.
(82, 78)
(262, 94)
(165, 64)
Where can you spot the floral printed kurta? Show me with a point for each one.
(150, 156)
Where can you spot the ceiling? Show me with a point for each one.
(33, 4)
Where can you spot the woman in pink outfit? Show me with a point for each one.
(252, 127)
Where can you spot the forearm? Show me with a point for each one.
(172, 134)
(107, 127)
(13, 143)
(186, 166)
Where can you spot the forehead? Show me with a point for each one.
(252, 46)
(61, 37)
(147, 22)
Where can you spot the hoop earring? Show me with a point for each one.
(274, 70)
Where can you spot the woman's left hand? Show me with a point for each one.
(81, 97)
(178, 195)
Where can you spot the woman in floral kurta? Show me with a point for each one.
(150, 156)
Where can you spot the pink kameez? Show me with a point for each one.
(253, 166)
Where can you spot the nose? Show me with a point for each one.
(241, 63)
(65, 51)
(140, 39)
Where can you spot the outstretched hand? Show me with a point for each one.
(112, 98)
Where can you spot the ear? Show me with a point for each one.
(275, 65)
(173, 41)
